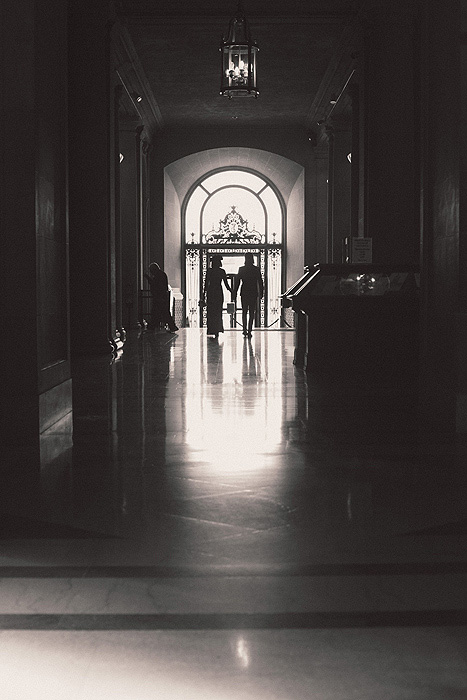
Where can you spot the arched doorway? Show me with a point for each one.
(233, 211)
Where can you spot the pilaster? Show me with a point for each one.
(388, 119)
(339, 186)
(129, 142)
(316, 205)
(443, 295)
(92, 172)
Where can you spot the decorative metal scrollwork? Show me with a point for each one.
(233, 229)
(192, 257)
(274, 255)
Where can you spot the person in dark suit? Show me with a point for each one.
(251, 286)
(160, 311)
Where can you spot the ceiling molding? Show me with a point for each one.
(153, 18)
(337, 76)
(127, 65)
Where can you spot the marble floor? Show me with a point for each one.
(215, 524)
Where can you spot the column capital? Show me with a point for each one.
(146, 146)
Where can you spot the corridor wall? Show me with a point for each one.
(35, 367)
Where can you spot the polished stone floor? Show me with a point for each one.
(222, 526)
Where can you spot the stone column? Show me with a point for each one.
(139, 223)
(92, 168)
(339, 187)
(391, 213)
(354, 92)
(121, 333)
(462, 317)
(443, 281)
(146, 148)
(129, 221)
(316, 205)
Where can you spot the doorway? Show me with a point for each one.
(234, 198)
(232, 313)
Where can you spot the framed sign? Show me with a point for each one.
(362, 251)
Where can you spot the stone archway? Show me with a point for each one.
(286, 175)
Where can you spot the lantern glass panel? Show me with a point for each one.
(239, 73)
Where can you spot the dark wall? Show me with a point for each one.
(36, 386)
(174, 144)
(51, 174)
(19, 366)
(440, 158)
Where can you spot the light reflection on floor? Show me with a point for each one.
(235, 409)
(241, 534)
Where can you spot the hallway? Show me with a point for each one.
(224, 526)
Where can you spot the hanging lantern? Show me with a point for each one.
(238, 53)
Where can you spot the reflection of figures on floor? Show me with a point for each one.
(160, 311)
(249, 363)
(214, 295)
(215, 367)
(251, 287)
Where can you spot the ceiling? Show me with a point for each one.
(177, 45)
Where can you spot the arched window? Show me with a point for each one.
(232, 212)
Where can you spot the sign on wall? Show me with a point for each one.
(362, 251)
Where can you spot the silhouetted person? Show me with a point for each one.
(160, 309)
(251, 288)
(214, 295)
